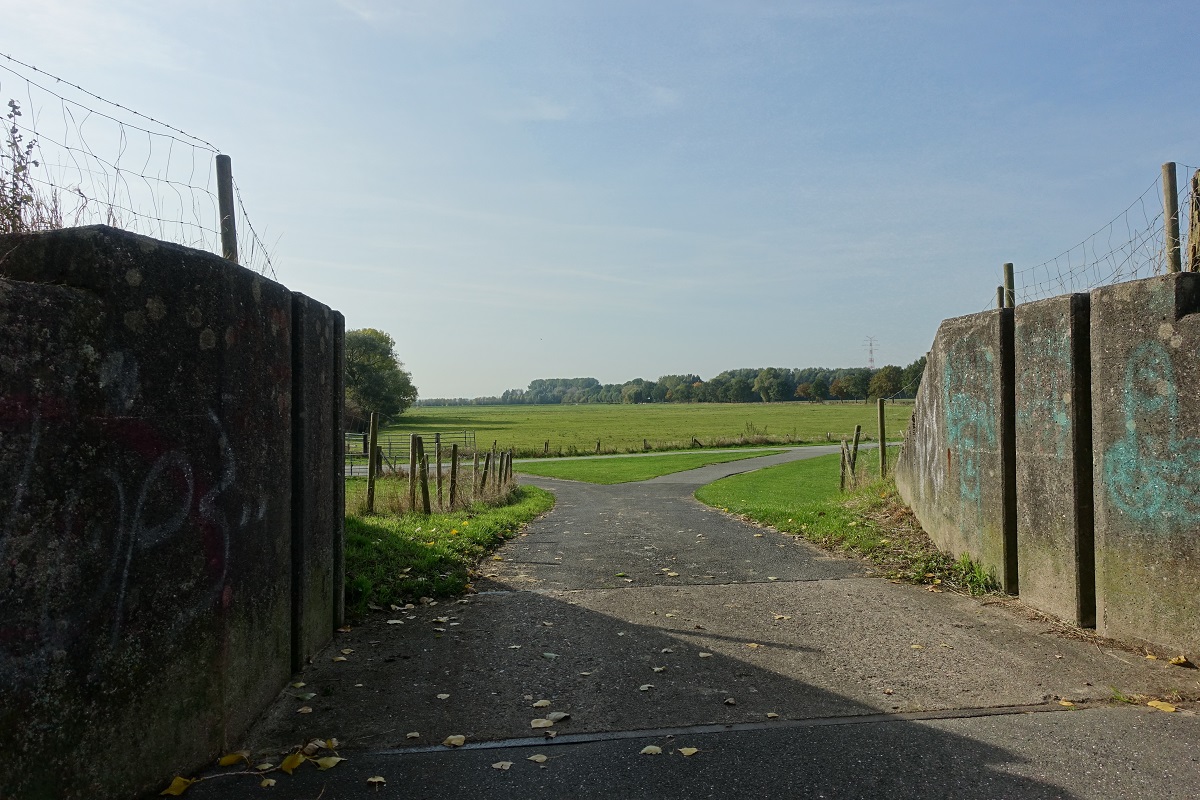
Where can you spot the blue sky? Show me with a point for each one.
(615, 189)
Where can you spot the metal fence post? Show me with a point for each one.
(1171, 216)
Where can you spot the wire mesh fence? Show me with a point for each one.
(1131, 245)
(71, 157)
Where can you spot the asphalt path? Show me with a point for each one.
(652, 620)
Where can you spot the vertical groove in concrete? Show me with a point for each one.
(1008, 448)
(299, 495)
(339, 480)
(1081, 425)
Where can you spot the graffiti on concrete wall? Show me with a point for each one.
(969, 384)
(1044, 391)
(1149, 473)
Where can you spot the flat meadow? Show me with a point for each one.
(576, 429)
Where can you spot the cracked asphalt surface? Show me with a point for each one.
(651, 619)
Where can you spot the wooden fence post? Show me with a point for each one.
(1194, 225)
(413, 439)
(229, 247)
(1171, 216)
(882, 443)
(854, 452)
(842, 483)
(1010, 293)
(483, 478)
(475, 476)
(371, 461)
(437, 454)
(425, 509)
(453, 474)
(597, 447)
(999, 297)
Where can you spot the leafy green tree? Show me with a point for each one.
(887, 382)
(375, 378)
(818, 389)
(912, 376)
(839, 389)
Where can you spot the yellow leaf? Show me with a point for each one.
(1181, 661)
(538, 759)
(754, 645)
(413, 735)
(772, 715)
(1151, 657)
(502, 765)
(1161, 706)
(688, 751)
(233, 758)
(331, 744)
(347, 651)
(299, 685)
(329, 761)
(263, 767)
(454, 741)
(177, 787)
(291, 762)
(917, 647)
(267, 783)
(1066, 703)
(706, 655)
(651, 750)
(540, 723)
(377, 780)
(672, 574)
(339, 658)
(542, 704)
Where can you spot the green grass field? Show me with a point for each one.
(632, 468)
(575, 430)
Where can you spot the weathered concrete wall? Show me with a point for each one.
(1054, 458)
(955, 470)
(146, 506)
(1146, 433)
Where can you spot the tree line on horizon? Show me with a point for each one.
(749, 385)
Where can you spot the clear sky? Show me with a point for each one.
(517, 189)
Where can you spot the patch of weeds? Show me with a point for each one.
(392, 559)
(1121, 697)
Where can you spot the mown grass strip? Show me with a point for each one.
(802, 498)
(394, 559)
(632, 468)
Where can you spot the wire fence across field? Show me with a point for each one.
(88, 160)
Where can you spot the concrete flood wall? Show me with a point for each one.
(1105, 450)
(956, 469)
(169, 505)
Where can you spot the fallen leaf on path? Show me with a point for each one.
(706, 655)
(178, 786)
(645, 687)
(395, 622)
(443, 697)
(538, 759)
(456, 740)
(753, 645)
(672, 574)
(1181, 661)
(758, 536)
(548, 624)
(306, 696)
(441, 620)
(502, 765)
(1066, 703)
(340, 658)
(557, 716)
(304, 710)
(267, 783)
(585, 674)
(1151, 657)
(233, 758)
(651, 750)
(659, 669)
(299, 685)
(540, 723)
(772, 579)
(550, 656)
(542, 704)
(514, 647)
(729, 701)
(263, 767)
(347, 651)
(620, 575)
(329, 762)
(783, 616)
(688, 751)
(666, 650)
(291, 762)
(1161, 706)
(377, 780)
(917, 647)
(772, 715)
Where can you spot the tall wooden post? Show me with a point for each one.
(845, 464)
(483, 479)
(1171, 216)
(453, 475)
(413, 439)
(425, 509)
(999, 297)
(229, 247)
(854, 452)
(882, 443)
(1194, 225)
(372, 461)
(475, 476)
(1010, 293)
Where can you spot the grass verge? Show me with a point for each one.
(633, 468)
(394, 559)
(872, 522)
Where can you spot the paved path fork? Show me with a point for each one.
(653, 620)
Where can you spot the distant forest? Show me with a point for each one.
(765, 385)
